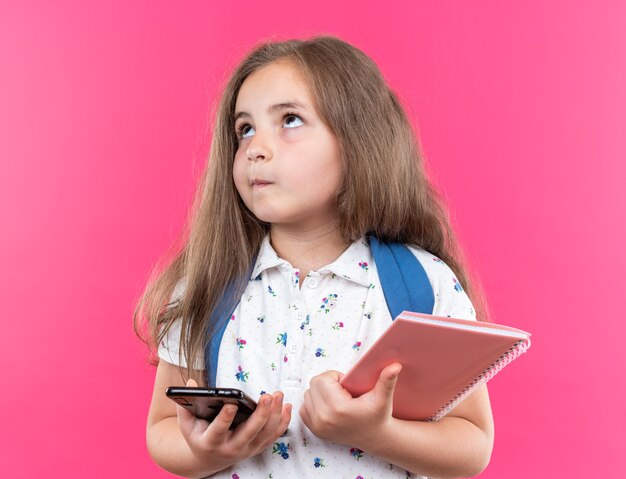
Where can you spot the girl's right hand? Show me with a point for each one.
(213, 442)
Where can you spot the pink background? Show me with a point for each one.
(104, 118)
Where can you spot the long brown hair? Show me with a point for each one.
(385, 190)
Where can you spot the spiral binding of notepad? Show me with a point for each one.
(513, 353)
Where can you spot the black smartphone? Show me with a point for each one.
(206, 403)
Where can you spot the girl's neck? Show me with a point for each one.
(308, 250)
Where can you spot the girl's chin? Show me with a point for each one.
(272, 217)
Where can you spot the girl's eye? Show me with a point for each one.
(242, 130)
(289, 120)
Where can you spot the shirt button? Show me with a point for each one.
(293, 348)
(311, 283)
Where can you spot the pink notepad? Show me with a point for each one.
(443, 361)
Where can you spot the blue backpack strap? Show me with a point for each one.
(405, 284)
(219, 319)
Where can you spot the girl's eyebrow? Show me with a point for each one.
(286, 105)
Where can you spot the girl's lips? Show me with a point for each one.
(259, 183)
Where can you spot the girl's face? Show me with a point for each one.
(287, 166)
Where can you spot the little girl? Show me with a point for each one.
(311, 155)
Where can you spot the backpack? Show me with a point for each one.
(404, 282)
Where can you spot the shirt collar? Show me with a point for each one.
(267, 258)
(353, 264)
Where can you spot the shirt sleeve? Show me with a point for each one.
(451, 300)
(169, 347)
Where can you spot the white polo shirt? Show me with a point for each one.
(282, 334)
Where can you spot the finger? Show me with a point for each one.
(219, 428)
(275, 414)
(319, 386)
(251, 427)
(326, 390)
(305, 415)
(282, 427)
(270, 429)
(191, 383)
(277, 409)
(387, 380)
(331, 374)
(309, 403)
(285, 418)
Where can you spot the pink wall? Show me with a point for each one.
(103, 128)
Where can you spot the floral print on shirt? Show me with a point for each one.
(305, 322)
(282, 339)
(320, 353)
(328, 302)
(242, 375)
(356, 453)
(281, 449)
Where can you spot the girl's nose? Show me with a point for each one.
(258, 150)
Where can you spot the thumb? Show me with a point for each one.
(387, 380)
(191, 383)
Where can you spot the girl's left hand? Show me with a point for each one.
(330, 412)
